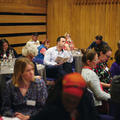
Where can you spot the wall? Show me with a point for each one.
(19, 18)
(84, 19)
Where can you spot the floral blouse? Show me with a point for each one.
(30, 104)
(103, 72)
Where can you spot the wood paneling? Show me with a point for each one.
(21, 19)
(23, 39)
(23, 6)
(18, 50)
(84, 19)
(22, 29)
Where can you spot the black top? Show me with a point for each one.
(96, 46)
(56, 111)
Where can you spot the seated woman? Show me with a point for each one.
(115, 68)
(101, 68)
(90, 59)
(6, 48)
(24, 95)
(69, 100)
(41, 52)
(30, 51)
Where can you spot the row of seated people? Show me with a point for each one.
(25, 96)
(89, 62)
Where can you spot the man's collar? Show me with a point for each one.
(60, 51)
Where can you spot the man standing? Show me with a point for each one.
(55, 67)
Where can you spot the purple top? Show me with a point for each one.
(115, 69)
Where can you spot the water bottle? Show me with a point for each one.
(4, 59)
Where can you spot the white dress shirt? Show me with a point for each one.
(52, 53)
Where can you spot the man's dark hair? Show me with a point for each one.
(58, 39)
(35, 34)
(105, 49)
(99, 37)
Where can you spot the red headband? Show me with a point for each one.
(74, 84)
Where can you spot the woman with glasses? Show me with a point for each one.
(101, 69)
(90, 59)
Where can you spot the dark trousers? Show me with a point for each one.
(56, 71)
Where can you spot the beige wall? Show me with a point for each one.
(84, 19)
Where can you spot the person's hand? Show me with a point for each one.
(21, 116)
(67, 47)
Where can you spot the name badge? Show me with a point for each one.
(31, 102)
(106, 69)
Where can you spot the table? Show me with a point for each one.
(7, 68)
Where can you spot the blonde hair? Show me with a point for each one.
(19, 68)
(29, 49)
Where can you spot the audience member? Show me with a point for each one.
(41, 52)
(115, 97)
(97, 44)
(90, 59)
(115, 67)
(6, 49)
(34, 40)
(55, 66)
(68, 43)
(30, 51)
(24, 95)
(69, 100)
(101, 69)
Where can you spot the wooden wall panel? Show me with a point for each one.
(23, 6)
(21, 29)
(18, 50)
(84, 19)
(19, 18)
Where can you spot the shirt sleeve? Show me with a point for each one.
(47, 58)
(94, 84)
(112, 70)
(42, 51)
(42, 95)
(92, 45)
(7, 102)
(42, 92)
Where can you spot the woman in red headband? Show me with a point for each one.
(69, 100)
